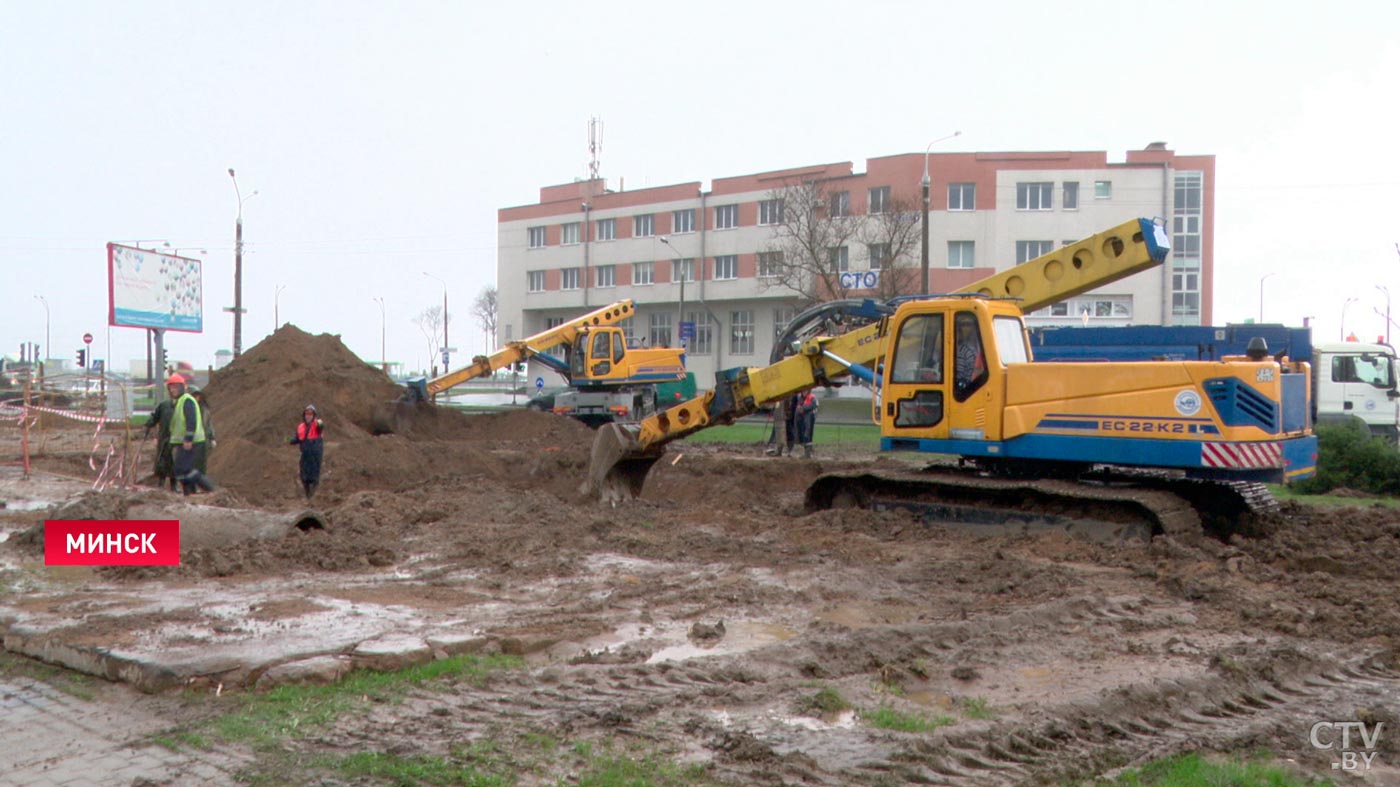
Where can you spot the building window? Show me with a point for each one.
(770, 264)
(879, 255)
(1186, 295)
(1103, 189)
(568, 233)
(683, 220)
(534, 281)
(726, 267)
(1060, 309)
(1034, 196)
(726, 217)
(1027, 250)
(643, 272)
(839, 204)
(1069, 195)
(629, 330)
(568, 279)
(683, 270)
(537, 237)
(741, 332)
(781, 317)
(607, 275)
(960, 254)
(607, 229)
(840, 258)
(644, 226)
(879, 199)
(962, 196)
(660, 335)
(770, 211)
(704, 341)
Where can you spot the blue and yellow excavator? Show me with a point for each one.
(1117, 449)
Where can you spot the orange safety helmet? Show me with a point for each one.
(174, 379)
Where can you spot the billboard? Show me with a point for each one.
(147, 289)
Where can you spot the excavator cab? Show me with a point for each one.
(599, 356)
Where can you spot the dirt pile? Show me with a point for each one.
(257, 400)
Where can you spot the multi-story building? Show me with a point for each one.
(738, 260)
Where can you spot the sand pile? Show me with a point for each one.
(257, 401)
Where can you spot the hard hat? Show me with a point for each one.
(174, 379)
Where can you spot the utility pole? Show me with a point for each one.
(923, 225)
(238, 268)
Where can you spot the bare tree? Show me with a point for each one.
(814, 234)
(891, 241)
(429, 321)
(484, 310)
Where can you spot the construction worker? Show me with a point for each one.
(308, 436)
(160, 421)
(806, 421)
(201, 459)
(969, 362)
(186, 437)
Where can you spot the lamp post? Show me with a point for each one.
(923, 225)
(446, 348)
(1383, 289)
(238, 267)
(680, 308)
(383, 356)
(276, 310)
(1261, 294)
(1343, 336)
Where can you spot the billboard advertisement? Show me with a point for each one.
(147, 289)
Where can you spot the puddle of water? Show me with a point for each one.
(739, 637)
(27, 505)
(845, 720)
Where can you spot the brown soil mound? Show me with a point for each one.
(256, 402)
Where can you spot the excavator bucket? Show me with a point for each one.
(618, 466)
(396, 417)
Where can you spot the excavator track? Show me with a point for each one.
(1104, 505)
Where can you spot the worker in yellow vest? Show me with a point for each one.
(187, 437)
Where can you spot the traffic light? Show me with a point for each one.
(164, 361)
(82, 358)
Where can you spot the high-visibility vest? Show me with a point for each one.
(309, 431)
(177, 421)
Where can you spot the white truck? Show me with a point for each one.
(1356, 380)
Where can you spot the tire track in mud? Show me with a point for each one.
(741, 708)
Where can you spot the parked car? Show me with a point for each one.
(544, 400)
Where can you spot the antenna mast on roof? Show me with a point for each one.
(595, 145)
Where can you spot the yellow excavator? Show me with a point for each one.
(1115, 449)
(609, 381)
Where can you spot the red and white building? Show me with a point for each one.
(584, 245)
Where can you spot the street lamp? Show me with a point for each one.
(238, 268)
(47, 348)
(1349, 301)
(1383, 289)
(276, 311)
(383, 356)
(923, 225)
(684, 274)
(1261, 294)
(446, 348)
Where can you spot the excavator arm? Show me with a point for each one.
(623, 455)
(529, 347)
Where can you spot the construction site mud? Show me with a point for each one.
(704, 622)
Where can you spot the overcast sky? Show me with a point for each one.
(383, 137)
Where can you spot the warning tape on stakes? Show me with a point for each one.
(8, 413)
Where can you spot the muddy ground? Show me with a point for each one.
(703, 621)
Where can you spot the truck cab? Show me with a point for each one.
(1357, 381)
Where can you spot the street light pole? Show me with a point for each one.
(238, 267)
(1383, 289)
(1349, 301)
(680, 308)
(383, 356)
(1261, 294)
(923, 225)
(276, 307)
(47, 348)
(445, 345)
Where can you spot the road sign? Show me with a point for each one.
(87, 338)
(687, 330)
(98, 366)
(539, 383)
